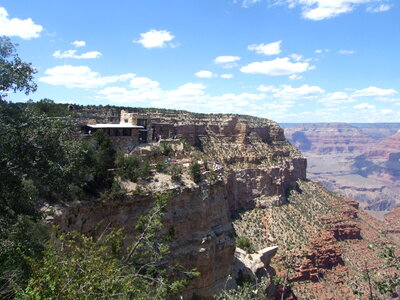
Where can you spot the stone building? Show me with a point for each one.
(134, 129)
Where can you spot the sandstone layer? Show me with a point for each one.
(360, 161)
(257, 167)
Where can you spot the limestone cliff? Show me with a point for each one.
(258, 167)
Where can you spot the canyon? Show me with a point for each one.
(258, 191)
(360, 161)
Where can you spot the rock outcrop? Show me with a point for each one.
(260, 168)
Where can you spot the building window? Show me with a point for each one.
(126, 120)
(126, 131)
(142, 122)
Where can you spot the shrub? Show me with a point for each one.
(166, 149)
(176, 173)
(195, 172)
(76, 266)
(132, 167)
(244, 243)
(161, 167)
(212, 177)
(155, 152)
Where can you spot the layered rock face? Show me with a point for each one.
(262, 164)
(360, 161)
(259, 165)
(329, 138)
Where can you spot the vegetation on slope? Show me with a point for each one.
(44, 160)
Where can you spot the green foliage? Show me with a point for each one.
(212, 176)
(100, 159)
(80, 267)
(176, 172)
(244, 243)
(115, 193)
(195, 172)
(186, 146)
(155, 152)
(165, 149)
(51, 109)
(15, 75)
(132, 167)
(380, 284)
(161, 167)
(246, 291)
(19, 237)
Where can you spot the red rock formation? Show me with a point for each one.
(385, 148)
(323, 254)
(327, 138)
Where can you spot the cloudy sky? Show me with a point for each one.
(286, 60)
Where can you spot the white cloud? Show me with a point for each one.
(78, 44)
(277, 67)
(80, 77)
(364, 106)
(144, 83)
(336, 99)
(267, 49)
(72, 54)
(226, 59)
(320, 51)
(373, 91)
(317, 10)
(25, 29)
(188, 90)
(386, 111)
(204, 74)
(304, 92)
(227, 76)
(378, 8)
(155, 39)
(346, 52)
(247, 3)
(295, 77)
(296, 57)
(267, 88)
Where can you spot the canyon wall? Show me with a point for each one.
(360, 161)
(258, 168)
(198, 216)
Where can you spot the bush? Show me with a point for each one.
(166, 149)
(155, 152)
(176, 173)
(212, 177)
(76, 266)
(244, 243)
(161, 167)
(195, 172)
(132, 167)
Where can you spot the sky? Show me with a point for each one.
(285, 60)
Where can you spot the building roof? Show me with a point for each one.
(120, 125)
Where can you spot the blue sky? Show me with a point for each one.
(286, 60)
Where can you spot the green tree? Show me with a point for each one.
(195, 172)
(15, 75)
(80, 267)
(39, 161)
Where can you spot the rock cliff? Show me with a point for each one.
(198, 216)
(360, 161)
(258, 167)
